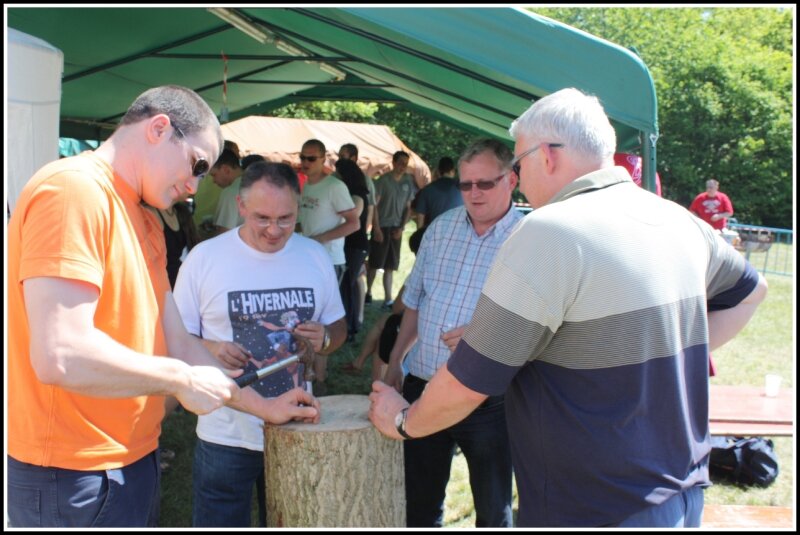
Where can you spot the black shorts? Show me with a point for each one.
(388, 336)
(385, 254)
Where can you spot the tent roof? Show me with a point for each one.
(477, 67)
(280, 139)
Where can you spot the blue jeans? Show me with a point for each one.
(222, 485)
(483, 439)
(43, 496)
(684, 510)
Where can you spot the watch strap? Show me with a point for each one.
(401, 425)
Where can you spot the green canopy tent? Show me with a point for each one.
(478, 68)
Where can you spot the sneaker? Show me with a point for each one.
(367, 299)
(388, 304)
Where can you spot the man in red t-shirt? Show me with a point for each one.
(712, 206)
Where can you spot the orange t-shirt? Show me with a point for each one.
(76, 220)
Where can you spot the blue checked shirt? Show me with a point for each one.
(446, 281)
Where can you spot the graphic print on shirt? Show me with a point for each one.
(262, 321)
(712, 206)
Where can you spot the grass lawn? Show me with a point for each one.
(766, 345)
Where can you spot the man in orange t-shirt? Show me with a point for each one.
(91, 322)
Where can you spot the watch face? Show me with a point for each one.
(398, 420)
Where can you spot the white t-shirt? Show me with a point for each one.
(320, 206)
(227, 214)
(226, 290)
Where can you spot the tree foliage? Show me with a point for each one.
(724, 83)
(723, 80)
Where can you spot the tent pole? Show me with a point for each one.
(649, 161)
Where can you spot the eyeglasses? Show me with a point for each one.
(516, 165)
(200, 166)
(283, 222)
(311, 159)
(483, 185)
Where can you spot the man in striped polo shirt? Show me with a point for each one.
(596, 321)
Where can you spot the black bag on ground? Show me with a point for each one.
(744, 461)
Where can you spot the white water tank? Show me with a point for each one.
(33, 106)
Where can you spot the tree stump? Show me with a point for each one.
(339, 473)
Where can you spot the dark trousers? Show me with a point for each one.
(222, 486)
(48, 497)
(354, 260)
(483, 439)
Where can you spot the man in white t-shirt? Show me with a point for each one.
(327, 215)
(227, 174)
(327, 212)
(245, 293)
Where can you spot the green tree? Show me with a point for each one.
(723, 78)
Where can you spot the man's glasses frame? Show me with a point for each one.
(311, 159)
(516, 164)
(283, 222)
(200, 166)
(483, 185)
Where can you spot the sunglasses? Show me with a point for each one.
(483, 185)
(200, 166)
(516, 165)
(311, 159)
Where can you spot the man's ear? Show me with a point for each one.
(158, 128)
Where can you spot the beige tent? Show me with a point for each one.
(280, 140)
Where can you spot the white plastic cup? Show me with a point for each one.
(772, 385)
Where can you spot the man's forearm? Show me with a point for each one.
(444, 403)
(724, 325)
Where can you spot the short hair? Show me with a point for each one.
(399, 154)
(279, 175)
(712, 182)
(232, 145)
(315, 143)
(498, 149)
(446, 164)
(252, 158)
(227, 157)
(352, 176)
(570, 117)
(350, 149)
(186, 110)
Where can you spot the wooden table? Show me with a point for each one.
(746, 411)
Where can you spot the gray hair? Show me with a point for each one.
(499, 150)
(573, 118)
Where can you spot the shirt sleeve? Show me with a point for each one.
(80, 212)
(187, 291)
(413, 288)
(340, 198)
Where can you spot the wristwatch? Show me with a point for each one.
(400, 423)
(326, 339)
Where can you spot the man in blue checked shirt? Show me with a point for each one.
(440, 295)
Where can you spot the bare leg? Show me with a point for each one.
(387, 284)
(321, 368)
(362, 292)
(370, 345)
(378, 368)
(370, 279)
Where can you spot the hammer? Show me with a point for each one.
(305, 356)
